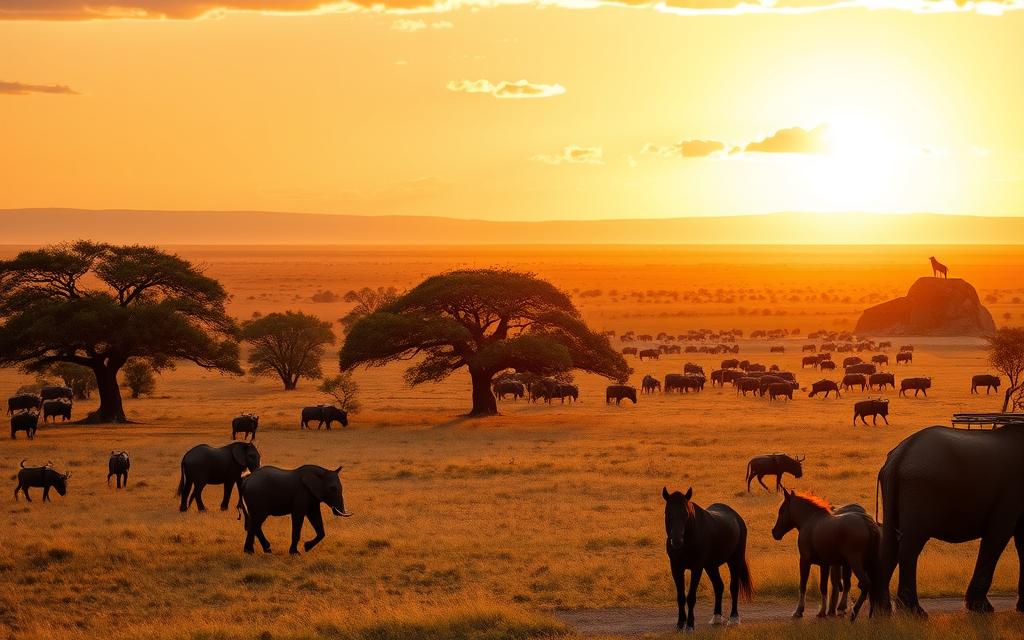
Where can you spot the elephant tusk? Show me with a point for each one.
(343, 514)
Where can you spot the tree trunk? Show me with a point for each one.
(484, 403)
(111, 409)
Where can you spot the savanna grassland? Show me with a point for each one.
(480, 528)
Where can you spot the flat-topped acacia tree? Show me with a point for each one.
(99, 305)
(486, 320)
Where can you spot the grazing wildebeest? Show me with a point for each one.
(323, 414)
(754, 367)
(743, 385)
(650, 384)
(246, 424)
(904, 357)
(618, 392)
(938, 267)
(809, 361)
(828, 539)
(880, 359)
(650, 354)
(203, 465)
(777, 349)
(731, 363)
(689, 367)
(809, 347)
(824, 386)
(864, 367)
(919, 385)
(629, 351)
(880, 380)
(987, 381)
(693, 382)
(775, 464)
(509, 388)
(27, 422)
(118, 466)
(563, 391)
(674, 382)
(824, 355)
(953, 485)
(270, 491)
(765, 381)
(852, 380)
(780, 389)
(56, 409)
(23, 402)
(827, 365)
(702, 540)
(544, 389)
(44, 477)
(851, 360)
(718, 377)
(55, 393)
(873, 408)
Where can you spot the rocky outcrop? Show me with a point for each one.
(932, 307)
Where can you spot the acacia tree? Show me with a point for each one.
(139, 378)
(288, 345)
(366, 301)
(487, 321)
(343, 390)
(1006, 355)
(98, 305)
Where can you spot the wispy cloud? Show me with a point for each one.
(22, 89)
(573, 154)
(517, 89)
(792, 140)
(414, 25)
(686, 149)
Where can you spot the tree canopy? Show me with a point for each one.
(98, 305)
(486, 320)
(288, 345)
(1006, 355)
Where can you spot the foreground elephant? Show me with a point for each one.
(271, 491)
(204, 465)
(955, 486)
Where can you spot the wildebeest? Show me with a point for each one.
(323, 414)
(809, 347)
(777, 349)
(765, 381)
(828, 346)
(702, 540)
(692, 382)
(544, 389)
(864, 367)
(718, 377)
(23, 402)
(852, 380)
(246, 424)
(509, 388)
(919, 385)
(987, 381)
(650, 354)
(629, 351)
(826, 365)
(44, 477)
(880, 380)
(809, 361)
(873, 408)
(756, 367)
(56, 409)
(689, 367)
(938, 268)
(851, 360)
(829, 539)
(743, 385)
(118, 466)
(54, 393)
(904, 357)
(880, 359)
(774, 464)
(730, 376)
(650, 384)
(906, 347)
(884, 345)
(27, 422)
(780, 389)
(674, 382)
(618, 392)
(824, 386)
(563, 391)
(731, 363)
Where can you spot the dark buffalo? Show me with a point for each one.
(904, 357)
(44, 477)
(873, 408)
(718, 377)
(864, 367)
(852, 360)
(826, 365)
(765, 381)
(824, 386)
(884, 345)
(650, 354)
(650, 384)
(693, 383)
(919, 385)
(23, 402)
(880, 380)
(743, 385)
(54, 393)
(907, 348)
(56, 409)
(563, 391)
(509, 388)
(809, 361)
(324, 414)
(689, 367)
(755, 367)
(544, 389)
(730, 376)
(203, 465)
(809, 347)
(246, 424)
(731, 363)
(674, 382)
(987, 381)
(629, 351)
(880, 359)
(118, 466)
(775, 464)
(780, 389)
(618, 392)
(852, 380)
(27, 422)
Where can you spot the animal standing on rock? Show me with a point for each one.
(938, 268)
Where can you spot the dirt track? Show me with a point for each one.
(643, 620)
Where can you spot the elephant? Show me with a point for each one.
(324, 413)
(954, 486)
(271, 491)
(203, 465)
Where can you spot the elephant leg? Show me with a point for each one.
(992, 546)
(906, 593)
(197, 496)
(679, 577)
(718, 586)
(823, 571)
(317, 521)
(228, 487)
(297, 518)
(1018, 541)
(264, 543)
(250, 535)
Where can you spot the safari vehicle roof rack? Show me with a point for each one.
(983, 419)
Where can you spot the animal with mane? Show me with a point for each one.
(938, 268)
(775, 464)
(700, 541)
(824, 386)
(873, 408)
(650, 384)
(880, 380)
(828, 539)
(919, 385)
(988, 381)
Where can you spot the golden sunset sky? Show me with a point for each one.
(513, 110)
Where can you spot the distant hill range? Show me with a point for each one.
(37, 226)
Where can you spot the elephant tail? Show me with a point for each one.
(243, 512)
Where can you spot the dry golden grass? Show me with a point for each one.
(459, 526)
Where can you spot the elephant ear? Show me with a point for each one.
(315, 483)
(238, 453)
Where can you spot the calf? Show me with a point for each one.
(27, 422)
(919, 385)
(44, 477)
(873, 408)
(118, 466)
(650, 384)
(775, 464)
(824, 386)
(989, 382)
